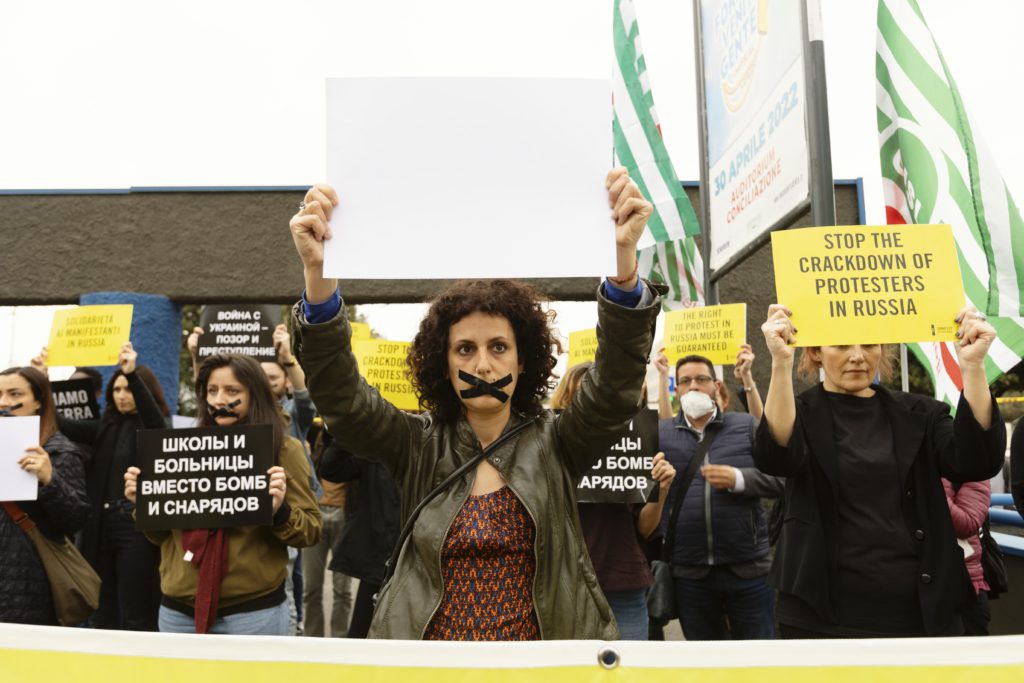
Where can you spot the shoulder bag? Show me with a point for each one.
(74, 585)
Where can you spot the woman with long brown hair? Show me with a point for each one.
(59, 510)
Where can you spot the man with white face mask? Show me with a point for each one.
(720, 557)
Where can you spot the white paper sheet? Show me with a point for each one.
(17, 434)
(469, 177)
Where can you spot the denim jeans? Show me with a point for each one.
(272, 621)
(704, 604)
(630, 610)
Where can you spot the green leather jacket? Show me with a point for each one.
(540, 465)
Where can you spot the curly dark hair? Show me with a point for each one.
(536, 344)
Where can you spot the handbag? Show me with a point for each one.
(992, 563)
(74, 585)
(661, 597)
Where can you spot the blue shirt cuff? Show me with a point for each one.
(322, 312)
(616, 295)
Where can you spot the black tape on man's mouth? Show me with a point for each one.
(226, 410)
(482, 386)
(9, 412)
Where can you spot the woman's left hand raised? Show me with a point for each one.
(278, 485)
(975, 336)
(630, 209)
(126, 359)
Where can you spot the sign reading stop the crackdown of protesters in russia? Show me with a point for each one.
(382, 364)
(869, 284)
(239, 328)
(89, 335)
(623, 473)
(715, 332)
(582, 346)
(75, 399)
(204, 478)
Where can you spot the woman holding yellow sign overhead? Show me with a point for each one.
(867, 546)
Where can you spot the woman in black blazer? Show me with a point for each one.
(867, 546)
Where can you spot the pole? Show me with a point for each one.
(904, 371)
(823, 200)
(710, 288)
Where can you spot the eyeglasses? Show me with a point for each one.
(701, 381)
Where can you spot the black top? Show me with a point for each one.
(876, 579)
(609, 530)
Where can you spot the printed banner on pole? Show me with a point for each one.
(869, 284)
(623, 473)
(204, 478)
(382, 364)
(715, 332)
(89, 335)
(75, 399)
(582, 346)
(239, 328)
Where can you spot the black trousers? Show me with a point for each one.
(362, 610)
(128, 565)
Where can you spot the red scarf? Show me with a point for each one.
(209, 548)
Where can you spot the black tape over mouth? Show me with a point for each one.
(482, 386)
(9, 412)
(226, 411)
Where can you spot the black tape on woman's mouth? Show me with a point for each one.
(482, 386)
(9, 412)
(226, 410)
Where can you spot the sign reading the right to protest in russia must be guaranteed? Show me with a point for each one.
(204, 478)
(869, 284)
(715, 332)
(623, 473)
(239, 328)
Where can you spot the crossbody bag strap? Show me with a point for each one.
(684, 485)
(389, 568)
(19, 517)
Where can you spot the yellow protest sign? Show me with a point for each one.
(715, 332)
(382, 365)
(582, 346)
(869, 284)
(89, 335)
(360, 331)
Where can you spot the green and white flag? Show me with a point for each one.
(667, 251)
(937, 169)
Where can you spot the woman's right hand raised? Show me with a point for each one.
(779, 333)
(309, 226)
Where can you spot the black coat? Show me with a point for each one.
(1017, 467)
(110, 436)
(929, 444)
(372, 510)
(59, 511)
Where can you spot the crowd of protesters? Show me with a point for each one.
(460, 521)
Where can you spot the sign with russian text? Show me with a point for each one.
(715, 332)
(754, 95)
(882, 284)
(204, 477)
(239, 328)
(623, 473)
(89, 335)
(75, 399)
(382, 364)
(17, 434)
(582, 346)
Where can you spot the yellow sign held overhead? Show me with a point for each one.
(382, 364)
(582, 346)
(869, 284)
(89, 335)
(360, 331)
(715, 332)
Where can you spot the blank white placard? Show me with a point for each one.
(17, 434)
(469, 178)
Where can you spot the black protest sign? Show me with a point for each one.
(623, 472)
(244, 329)
(75, 399)
(204, 478)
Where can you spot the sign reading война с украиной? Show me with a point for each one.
(204, 478)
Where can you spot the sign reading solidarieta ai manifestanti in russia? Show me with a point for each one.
(869, 284)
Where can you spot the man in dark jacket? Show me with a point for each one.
(720, 556)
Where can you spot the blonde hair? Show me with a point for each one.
(569, 385)
(808, 368)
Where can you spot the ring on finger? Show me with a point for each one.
(980, 316)
(302, 206)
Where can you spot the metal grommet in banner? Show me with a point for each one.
(608, 658)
